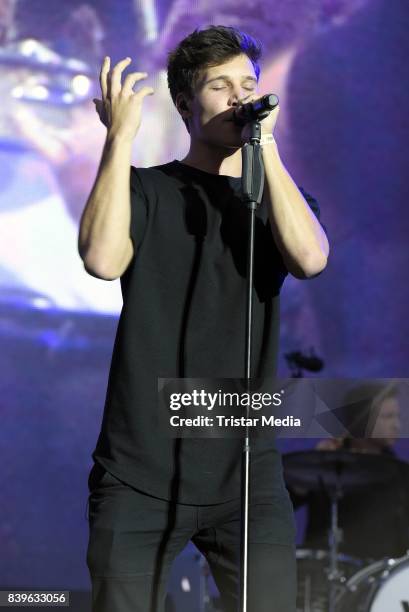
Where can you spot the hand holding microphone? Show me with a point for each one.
(264, 109)
(255, 111)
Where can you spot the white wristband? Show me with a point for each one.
(267, 139)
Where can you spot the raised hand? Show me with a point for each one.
(120, 108)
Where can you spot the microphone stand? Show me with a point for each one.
(252, 183)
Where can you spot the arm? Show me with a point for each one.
(104, 241)
(297, 232)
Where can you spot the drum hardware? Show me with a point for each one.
(381, 586)
(312, 567)
(338, 472)
(334, 575)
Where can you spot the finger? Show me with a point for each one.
(103, 76)
(131, 79)
(145, 91)
(250, 97)
(98, 105)
(116, 76)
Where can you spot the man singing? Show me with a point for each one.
(176, 236)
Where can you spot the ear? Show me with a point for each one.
(182, 106)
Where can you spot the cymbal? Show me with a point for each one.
(318, 470)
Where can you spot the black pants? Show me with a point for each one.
(134, 539)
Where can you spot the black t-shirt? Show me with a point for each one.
(183, 315)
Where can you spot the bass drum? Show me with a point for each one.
(382, 586)
(312, 581)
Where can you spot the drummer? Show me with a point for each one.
(374, 520)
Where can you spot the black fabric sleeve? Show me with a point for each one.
(139, 209)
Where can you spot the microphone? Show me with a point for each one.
(254, 111)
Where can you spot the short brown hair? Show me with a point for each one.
(210, 46)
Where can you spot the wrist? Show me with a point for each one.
(117, 138)
(267, 139)
(270, 154)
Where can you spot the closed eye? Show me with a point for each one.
(245, 88)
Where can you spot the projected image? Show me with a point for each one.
(50, 135)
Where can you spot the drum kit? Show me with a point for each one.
(327, 580)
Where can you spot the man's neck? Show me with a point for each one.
(214, 160)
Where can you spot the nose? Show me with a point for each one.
(234, 99)
(239, 96)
